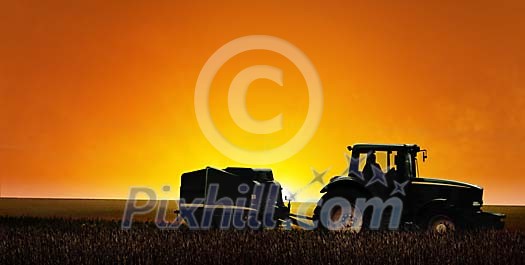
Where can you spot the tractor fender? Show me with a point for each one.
(346, 183)
(340, 185)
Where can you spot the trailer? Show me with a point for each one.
(233, 197)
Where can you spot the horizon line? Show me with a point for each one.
(175, 199)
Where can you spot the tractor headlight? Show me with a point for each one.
(476, 204)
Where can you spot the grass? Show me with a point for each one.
(75, 231)
(25, 240)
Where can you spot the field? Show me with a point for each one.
(44, 231)
(66, 241)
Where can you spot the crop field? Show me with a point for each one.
(39, 231)
(25, 240)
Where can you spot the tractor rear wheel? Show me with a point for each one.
(343, 215)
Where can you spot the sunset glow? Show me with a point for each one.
(99, 96)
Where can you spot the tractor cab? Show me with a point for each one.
(396, 161)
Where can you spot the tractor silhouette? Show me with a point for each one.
(383, 190)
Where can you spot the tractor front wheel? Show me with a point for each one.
(441, 223)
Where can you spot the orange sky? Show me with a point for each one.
(97, 96)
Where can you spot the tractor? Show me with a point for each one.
(388, 174)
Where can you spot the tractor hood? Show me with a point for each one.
(454, 192)
(444, 182)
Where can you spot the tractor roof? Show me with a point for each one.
(384, 147)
